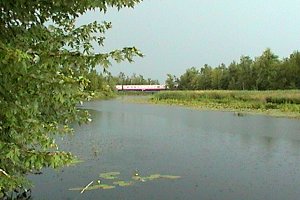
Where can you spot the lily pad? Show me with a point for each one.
(106, 187)
(123, 183)
(152, 177)
(114, 175)
(109, 175)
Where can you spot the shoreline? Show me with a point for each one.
(281, 103)
(238, 112)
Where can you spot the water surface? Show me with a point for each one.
(217, 154)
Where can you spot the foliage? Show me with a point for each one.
(44, 62)
(100, 86)
(266, 72)
(171, 82)
(134, 79)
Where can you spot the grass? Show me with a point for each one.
(281, 103)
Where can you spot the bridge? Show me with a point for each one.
(140, 87)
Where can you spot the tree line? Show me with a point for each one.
(134, 79)
(266, 72)
(106, 82)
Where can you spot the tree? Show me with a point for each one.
(218, 77)
(171, 81)
(224, 77)
(43, 77)
(189, 80)
(264, 69)
(295, 62)
(206, 77)
(98, 83)
(245, 79)
(233, 76)
(291, 67)
(135, 79)
(266, 72)
(121, 78)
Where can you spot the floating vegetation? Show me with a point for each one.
(123, 183)
(94, 187)
(105, 187)
(152, 177)
(109, 176)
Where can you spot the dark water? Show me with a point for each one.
(218, 155)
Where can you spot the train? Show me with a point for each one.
(140, 87)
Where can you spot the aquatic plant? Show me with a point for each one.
(121, 183)
(109, 175)
(94, 187)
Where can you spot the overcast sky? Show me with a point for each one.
(175, 35)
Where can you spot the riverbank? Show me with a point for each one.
(102, 95)
(279, 103)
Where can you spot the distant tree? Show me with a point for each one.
(154, 82)
(205, 81)
(265, 72)
(291, 67)
(245, 79)
(171, 81)
(224, 77)
(121, 78)
(189, 80)
(233, 76)
(264, 68)
(218, 77)
(134, 79)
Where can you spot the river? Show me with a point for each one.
(218, 155)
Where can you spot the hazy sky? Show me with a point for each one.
(175, 35)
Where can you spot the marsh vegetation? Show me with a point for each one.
(274, 102)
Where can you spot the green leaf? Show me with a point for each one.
(109, 175)
(123, 183)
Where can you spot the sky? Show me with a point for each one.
(176, 35)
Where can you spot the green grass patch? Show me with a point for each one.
(283, 103)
